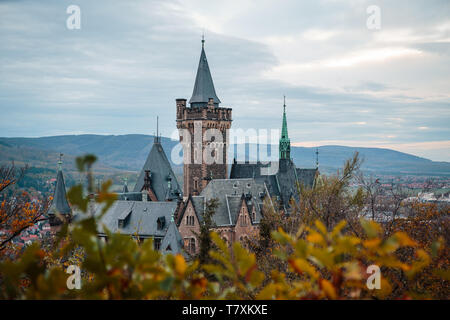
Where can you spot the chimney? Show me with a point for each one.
(147, 180)
(181, 105)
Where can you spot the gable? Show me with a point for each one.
(190, 215)
(242, 216)
(161, 171)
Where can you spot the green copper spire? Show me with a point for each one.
(285, 143)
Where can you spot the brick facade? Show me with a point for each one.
(188, 227)
(197, 120)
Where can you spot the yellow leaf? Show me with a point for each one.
(328, 289)
(180, 264)
(321, 227)
(315, 237)
(404, 240)
(301, 265)
(371, 243)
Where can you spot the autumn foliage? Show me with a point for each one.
(305, 259)
(18, 211)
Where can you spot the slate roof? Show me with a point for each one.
(172, 241)
(59, 202)
(229, 193)
(133, 196)
(283, 184)
(199, 206)
(137, 217)
(306, 176)
(204, 86)
(160, 171)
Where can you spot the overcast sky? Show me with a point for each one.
(345, 84)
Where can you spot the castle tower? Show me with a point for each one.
(285, 142)
(203, 132)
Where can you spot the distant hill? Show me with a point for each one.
(128, 153)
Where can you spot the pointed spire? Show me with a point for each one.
(285, 143)
(204, 86)
(59, 202)
(284, 130)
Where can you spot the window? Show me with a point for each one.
(191, 247)
(244, 241)
(160, 223)
(195, 184)
(190, 220)
(244, 219)
(157, 243)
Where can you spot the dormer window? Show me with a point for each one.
(161, 223)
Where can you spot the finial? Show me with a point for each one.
(317, 158)
(125, 181)
(171, 216)
(284, 103)
(60, 162)
(203, 38)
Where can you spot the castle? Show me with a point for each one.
(157, 207)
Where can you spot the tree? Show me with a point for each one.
(204, 236)
(18, 211)
(333, 200)
(317, 263)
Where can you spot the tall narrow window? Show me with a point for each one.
(157, 243)
(195, 184)
(192, 245)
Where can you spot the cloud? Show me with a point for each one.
(131, 60)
